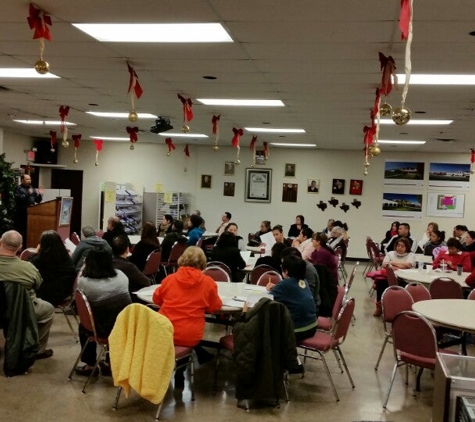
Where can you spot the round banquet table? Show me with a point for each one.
(458, 314)
(425, 277)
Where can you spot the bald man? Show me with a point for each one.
(14, 270)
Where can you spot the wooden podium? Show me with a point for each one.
(50, 215)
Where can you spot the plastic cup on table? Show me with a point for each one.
(420, 265)
(428, 268)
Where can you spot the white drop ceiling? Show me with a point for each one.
(320, 58)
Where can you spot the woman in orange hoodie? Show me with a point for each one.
(184, 298)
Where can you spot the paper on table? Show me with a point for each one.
(70, 246)
(255, 288)
(268, 239)
(245, 256)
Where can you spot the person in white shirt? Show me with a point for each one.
(225, 219)
(304, 243)
(431, 227)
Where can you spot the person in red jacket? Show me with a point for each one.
(184, 298)
(453, 257)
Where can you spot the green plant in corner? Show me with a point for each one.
(8, 186)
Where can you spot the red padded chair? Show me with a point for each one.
(217, 274)
(325, 323)
(418, 291)
(471, 295)
(27, 253)
(258, 270)
(176, 252)
(221, 265)
(152, 265)
(269, 277)
(445, 288)
(75, 238)
(349, 282)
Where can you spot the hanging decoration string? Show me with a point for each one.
(98, 143)
(170, 146)
(63, 113)
(215, 123)
(235, 143)
(187, 112)
(266, 150)
(39, 21)
(133, 131)
(52, 134)
(77, 140)
(134, 90)
(186, 150)
(375, 114)
(388, 74)
(252, 147)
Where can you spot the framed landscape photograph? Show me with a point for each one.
(65, 211)
(258, 185)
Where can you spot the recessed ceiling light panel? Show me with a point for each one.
(425, 79)
(240, 103)
(24, 73)
(381, 141)
(284, 145)
(183, 135)
(120, 115)
(273, 130)
(419, 122)
(44, 122)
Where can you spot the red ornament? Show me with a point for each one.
(237, 137)
(405, 17)
(215, 121)
(76, 139)
(388, 67)
(52, 134)
(252, 145)
(187, 108)
(63, 113)
(39, 21)
(132, 131)
(98, 143)
(170, 145)
(134, 82)
(187, 150)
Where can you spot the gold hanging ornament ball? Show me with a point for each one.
(374, 149)
(168, 154)
(401, 115)
(65, 144)
(96, 164)
(185, 129)
(385, 110)
(215, 148)
(132, 147)
(75, 161)
(133, 116)
(237, 162)
(52, 150)
(42, 67)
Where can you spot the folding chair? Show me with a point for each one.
(217, 274)
(418, 291)
(221, 265)
(445, 288)
(75, 238)
(152, 265)
(67, 306)
(349, 282)
(258, 270)
(325, 323)
(269, 277)
(27, 253)
(176, 252)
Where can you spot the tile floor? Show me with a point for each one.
(46, 394)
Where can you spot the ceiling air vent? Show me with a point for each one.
(446, 140)
(4, 88)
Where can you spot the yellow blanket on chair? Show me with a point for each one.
(142, 353)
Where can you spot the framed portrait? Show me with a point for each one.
(356, 187)
(258, 185)
(290, 170)
(228, 189)
(313, 185)
(65, 211)
(229, 168)
(338, 186)
(206, 181)
(260, 157)
(289, 192)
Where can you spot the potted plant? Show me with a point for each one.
(8, 185)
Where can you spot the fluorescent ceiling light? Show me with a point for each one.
(418, 122)
(159, 33)
(120, 115)
(273, 130)
(24, 73)
(44, 122)
(241, 103)
(109, 138)
(183, 135)
(402, 142)
(437, 79)
(278, 144)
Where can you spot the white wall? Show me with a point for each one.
(14, 146)
(148, 165)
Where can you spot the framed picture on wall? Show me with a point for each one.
(206, 181)
(258, 185)
(228, 188)
(65, 211)
(229, 168)
(290, 170)
(313, 185)
(289, 192)
(260, 157)
(356, 187)
(338, 186)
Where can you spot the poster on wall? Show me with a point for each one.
(404, 206)
(445, 205)
(449, 175)
(289, 192)
(404, 174)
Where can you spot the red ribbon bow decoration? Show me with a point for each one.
(39, 21)
(132, 131)
(215, 121)
(63, 113)
(134, 82)
(388, 67)
(472, 159)
(76, 139)
(252, 145)
(405, 18)
(237, 137)
(52, 134)
(98, 143)
(266, 150)
(187, 108)
(170, 145)
(186, 150)
(368, 135)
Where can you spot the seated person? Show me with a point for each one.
(296, 228)
(393, 231)
(254, 239)
(400, 258)
(324, 255)
(165, 226)
(336, 240)
(274, 259)
(184, 298)
(304, 243)
(56, 268)
(470, 246)
(437, 239)
(461, 233)
(120, 250)
(114, 228)
(174, 236)
(90, 241)
(293, 291)
(328, 229)
(227, 252)
(404, 230)
(147, 244)
(279, 236)
(225, 219)
(426, 236)
(233, 228)
(107, 291)
(195, 231)
(454, 256)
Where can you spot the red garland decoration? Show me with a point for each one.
(405, 18)
(76, 139)
(237, 137)
(377, 100)
(252, 145)
(63, 113)
(187, 108)
(186, 150)
(472, 159)
(388, 67)
(215, 121)
(170, 145)
(39, 21)
(132, 131)
(368, 135)
(266, 150)
(52, 134)
(134, 82)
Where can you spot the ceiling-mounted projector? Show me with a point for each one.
(162, 124)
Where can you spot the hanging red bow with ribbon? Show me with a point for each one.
(377, 102)
(39, 21)
(186, 150)
(134, 83)
(98, 143)
(187, 108)
(52, 134)
(215, 121)
(170, 145)
(132, 131)
(63, 113)
(388, 67)
(368, 135)
(252, 145)
(76, 139)
(266, 150)
(237, 137)
(405, 18)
